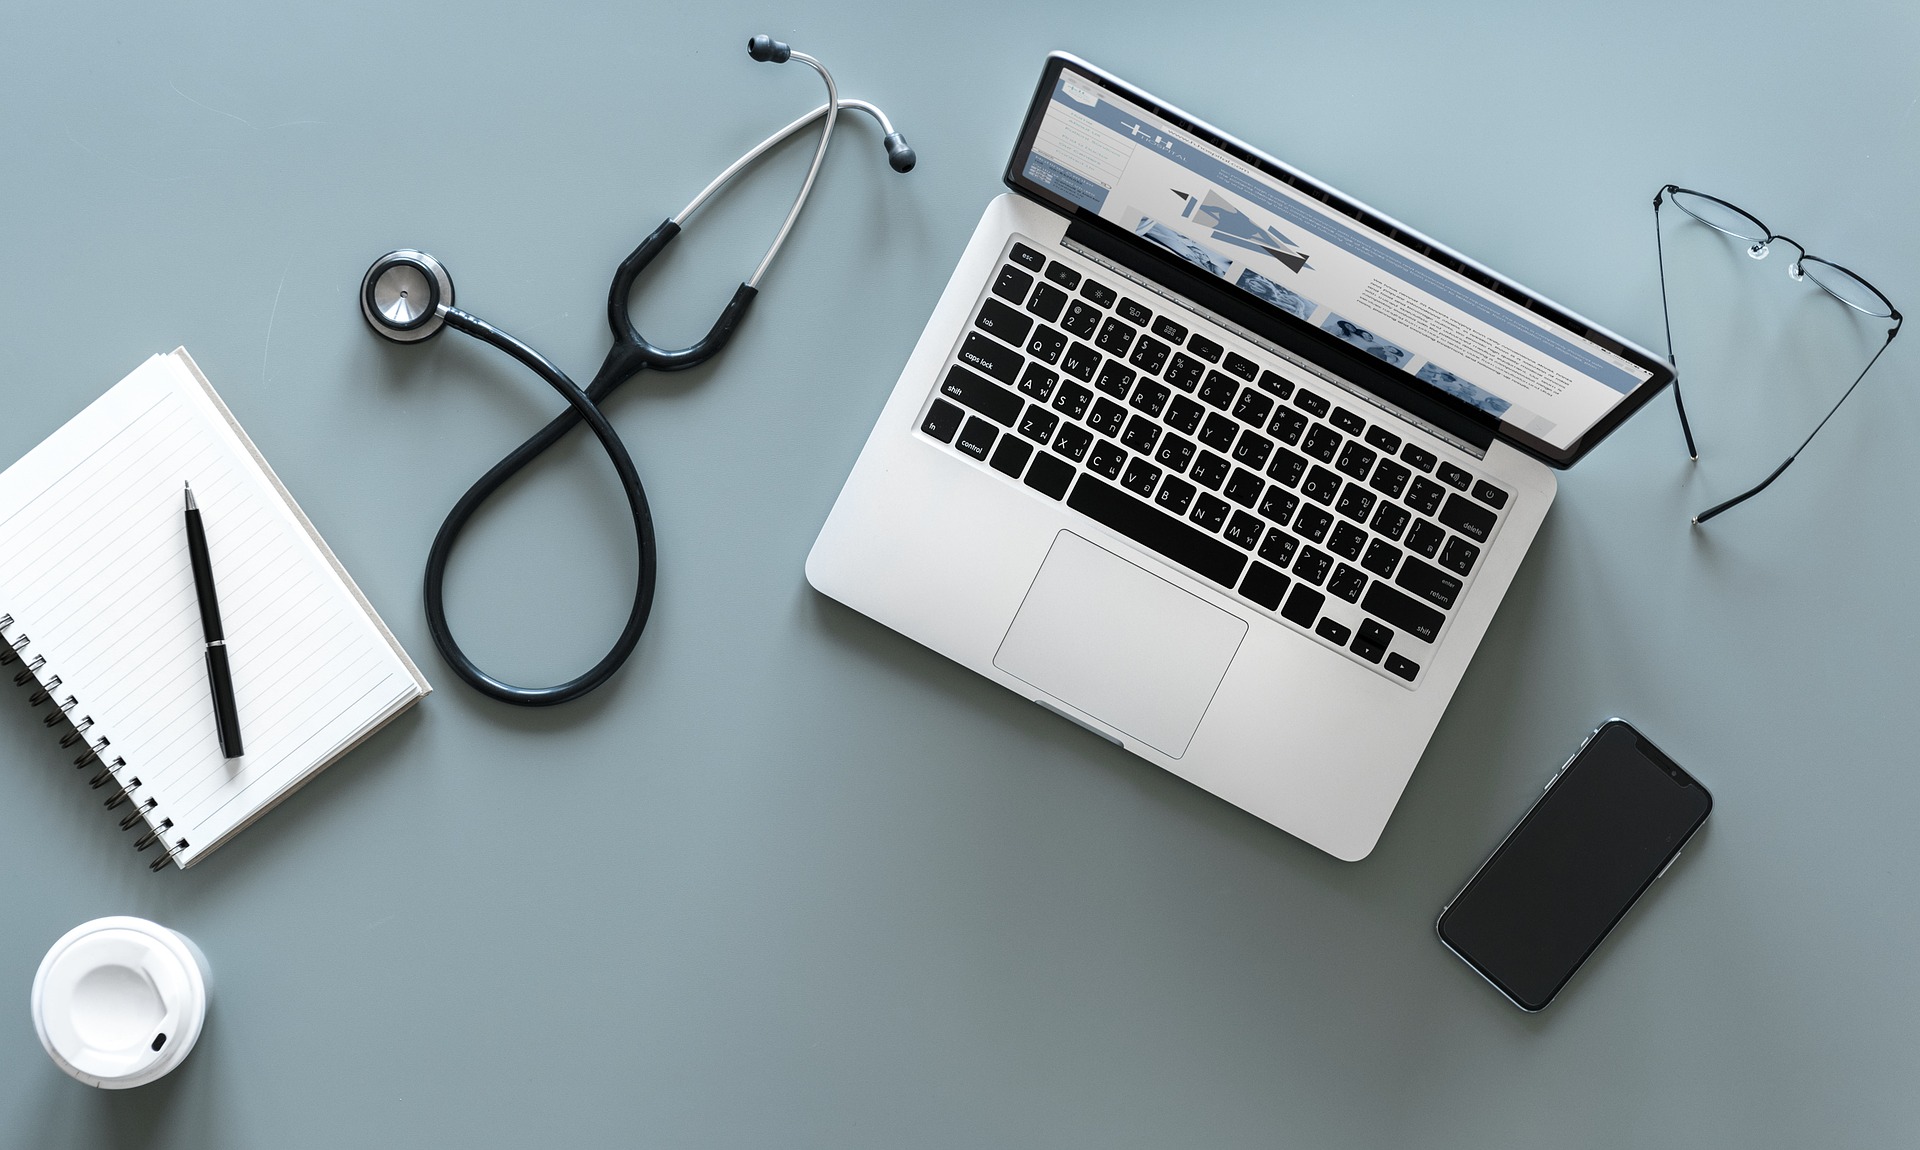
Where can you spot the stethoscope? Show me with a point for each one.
(407, 297)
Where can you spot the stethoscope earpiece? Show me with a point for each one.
(405, 295)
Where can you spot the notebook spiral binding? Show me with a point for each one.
(93, 751)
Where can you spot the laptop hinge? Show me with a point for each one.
(1307, 348)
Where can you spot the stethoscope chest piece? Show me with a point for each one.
(405, 295)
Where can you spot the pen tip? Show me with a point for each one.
(191, 505)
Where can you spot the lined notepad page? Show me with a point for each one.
(94, 571)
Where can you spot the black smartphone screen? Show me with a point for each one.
(1606, 828)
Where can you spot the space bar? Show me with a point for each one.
(1156, 530)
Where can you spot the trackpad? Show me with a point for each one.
(1120, 643)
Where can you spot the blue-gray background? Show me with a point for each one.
(794, 881)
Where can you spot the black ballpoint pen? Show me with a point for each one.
(226, 714)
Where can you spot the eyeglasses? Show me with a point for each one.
(1826, 275)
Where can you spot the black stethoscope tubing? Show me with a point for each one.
(404, 320)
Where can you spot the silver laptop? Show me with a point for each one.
(1218, 462)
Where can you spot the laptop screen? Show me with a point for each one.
(1546, 378)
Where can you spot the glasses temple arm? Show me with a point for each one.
(1717, 508)
(1660, 254)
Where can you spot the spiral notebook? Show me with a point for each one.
(99, 616)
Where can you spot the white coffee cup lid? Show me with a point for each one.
(120, 1001)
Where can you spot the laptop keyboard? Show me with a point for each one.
(1163, 428)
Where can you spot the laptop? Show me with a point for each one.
(1218, 462)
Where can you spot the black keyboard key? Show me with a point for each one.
(1185, 372)
(1038, 424)
(1252, 407)
(1063, 275)
(1275, 385)
(1170, 331)
(1141, 478)
(995, 359)
(1355, 503)
(1279, 504)
(1175, 453)
(1219, 433)
(1219, 390)
(1107, 458)
(1080, 362)
(1312, 523)
(1175, 494)
(1003, 322)
(989, 399)
(1047, 344)
(1347, 421)
(1381, 558)
(1027, 258)
(1050, 476)
(1356, 461)
(1418, 458)
(1115, 337)
(1286, 425)
(1469, 519)
(1141, 434)
(1108, 418)
(1149, 355)
(1322, 443)
(1454, 477)
(1367, 649)
(1312, 565)
(1038, 382)
(1427, 582)
(1264, 586)
(1390, 478)
(1209, 471)
(1310, 403)
(1012, 285)
(1099, 293)
(1133, 312)
(1333, 631)
(1184, 415)
(1209, 512)
(1425, 538)
(1252, 449)
(1046, 302)
(1150, 396)
(1408, 614)
(976, 438)
(1072, 441)
(1244, 488)
(1116, 379)
(1244, 530)
(1347, 583)
(943, 419)
(1373, 632)
(1082, 319)
(1458, 556)
(1425, 495)
(1402, 666)
(1347, 541)
(1302, 605)
(1241, 366)
(1205, 348)
(1278, 547)
(1391, 520)
(1011, 456)
(1490, 495)
(1072, 400)
(1386, 441)
(1157, 531)
(1320, 485)
(1286, 467)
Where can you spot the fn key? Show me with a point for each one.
(943, 419)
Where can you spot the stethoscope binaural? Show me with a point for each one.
(407, 297)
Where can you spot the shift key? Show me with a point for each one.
(984, 396)
(991, 356)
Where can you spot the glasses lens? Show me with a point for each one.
(1719, 216)
(1846, 287)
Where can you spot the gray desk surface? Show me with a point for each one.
(793, 881)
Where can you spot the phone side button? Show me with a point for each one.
(1669, 866)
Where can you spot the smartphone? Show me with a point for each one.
(1612, 821)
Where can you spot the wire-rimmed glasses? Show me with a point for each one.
(1828, 276)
